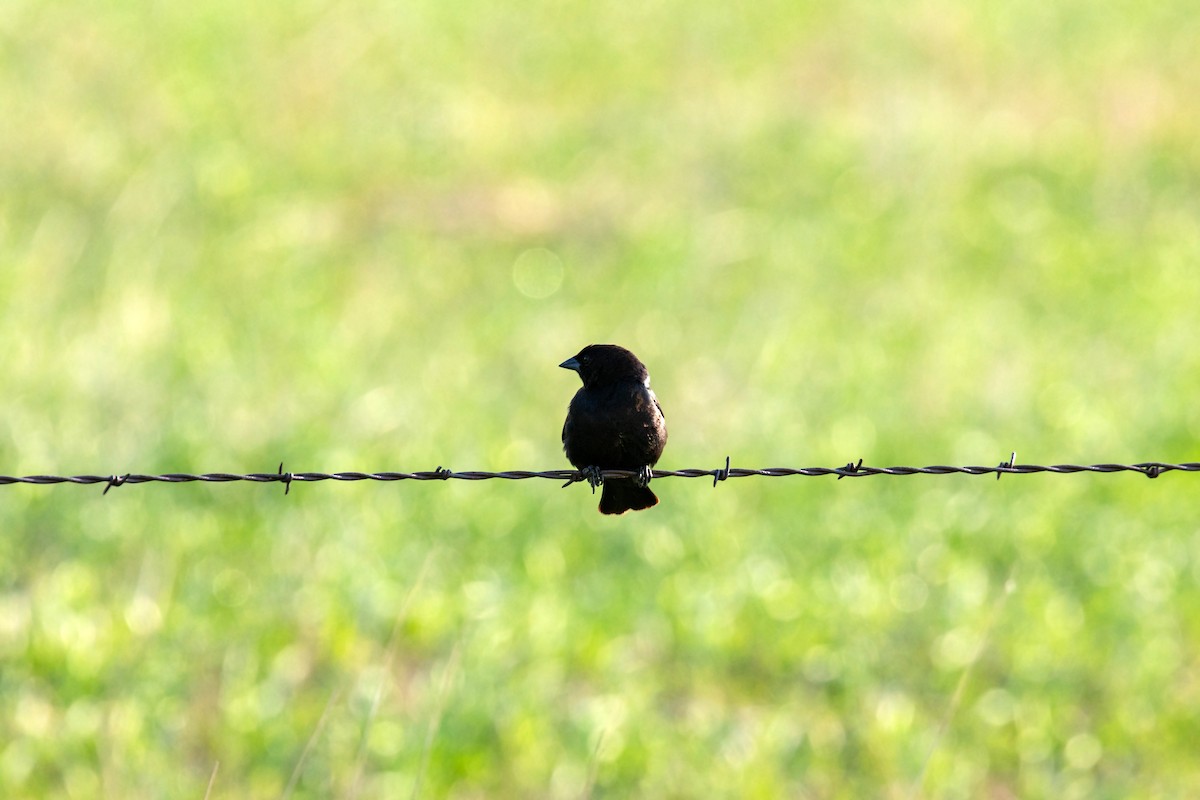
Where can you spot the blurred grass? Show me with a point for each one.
(362, 237)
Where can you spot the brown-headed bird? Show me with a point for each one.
(614, 422)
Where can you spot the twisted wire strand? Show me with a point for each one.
(1151, 469)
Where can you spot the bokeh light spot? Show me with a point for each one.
(538, 273)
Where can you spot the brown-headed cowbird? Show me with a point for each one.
(614, 422)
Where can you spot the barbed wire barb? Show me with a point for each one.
(850, 470)
(1151, 469)
(1007, 464)
(721, 474)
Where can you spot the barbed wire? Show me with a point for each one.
(1151, 469)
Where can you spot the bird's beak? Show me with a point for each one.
(570, 363)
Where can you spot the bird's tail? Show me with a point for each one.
(619, 496)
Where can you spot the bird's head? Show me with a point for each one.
(605, 364)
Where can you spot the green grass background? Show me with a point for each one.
(361, 236)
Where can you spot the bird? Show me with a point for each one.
(614, 422)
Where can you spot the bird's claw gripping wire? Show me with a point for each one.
(643, 476)
(593, 476)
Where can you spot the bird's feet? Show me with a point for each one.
(642, 479)
(592, 476)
